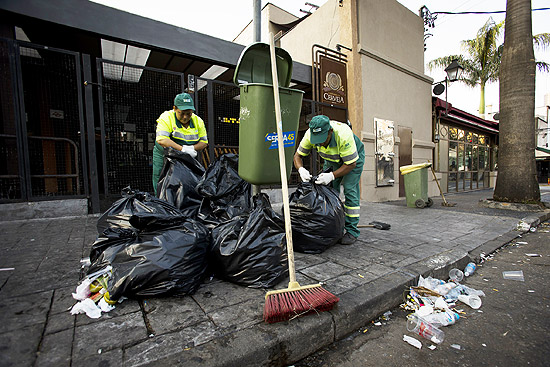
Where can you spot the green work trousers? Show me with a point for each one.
(352, 192)
(158, 161)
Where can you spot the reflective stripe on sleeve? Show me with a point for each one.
(303, 151)
(352, 211)
(203, 138)
(350, 158)
(163, 133)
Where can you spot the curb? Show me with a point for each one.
(285, 343)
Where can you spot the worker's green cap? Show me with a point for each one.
(319, 127)
(183, 101)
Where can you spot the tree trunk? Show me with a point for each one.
(517, 176)
(482, 99)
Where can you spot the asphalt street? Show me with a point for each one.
(510, 328)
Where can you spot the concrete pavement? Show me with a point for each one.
(221, 325)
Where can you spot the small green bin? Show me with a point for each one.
(258, 144)
(416, 185)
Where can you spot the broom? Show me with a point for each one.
(296, 300)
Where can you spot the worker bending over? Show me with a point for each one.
(345, 154)
(180, 129)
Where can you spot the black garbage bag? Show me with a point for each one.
(225, 194)
(134, 202)
(178, 179)
(317, 216)
(155, 258)
(250, 249)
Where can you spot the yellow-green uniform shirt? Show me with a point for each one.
(341, 149)
(169, 127)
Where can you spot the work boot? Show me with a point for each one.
(348, 239)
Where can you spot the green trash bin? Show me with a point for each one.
(416, 185)
(258, 144)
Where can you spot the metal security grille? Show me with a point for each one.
(10, 176)
(132, 98)
(52, 127)
(218, 105)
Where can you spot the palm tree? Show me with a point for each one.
(485, 54)
(517, 175)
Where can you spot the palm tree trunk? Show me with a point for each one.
(482, 100)
(517, 176)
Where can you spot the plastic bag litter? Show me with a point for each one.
(225, 194)
(317, 215)
(249, 249)
(160, 256)
(88, 307)
(178, 179)
(134, 202)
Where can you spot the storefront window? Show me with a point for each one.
(453, 146)
(453, 133)
(468, 159)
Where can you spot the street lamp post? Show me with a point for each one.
(454, 71)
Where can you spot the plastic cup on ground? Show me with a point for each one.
(471, 300)
(423, 328)
(456, 275)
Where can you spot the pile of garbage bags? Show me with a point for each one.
(203, 223)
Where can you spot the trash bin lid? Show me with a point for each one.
(254, 65)
(413, 167)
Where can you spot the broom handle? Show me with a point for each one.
(438, 186)
(282, 162)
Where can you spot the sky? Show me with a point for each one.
(225, 19)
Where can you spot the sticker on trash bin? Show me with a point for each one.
(289, 139)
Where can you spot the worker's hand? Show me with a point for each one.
(324, 178)
(304, 174)
(188, 149)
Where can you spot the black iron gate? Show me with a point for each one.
(132, 98)
(42, 126)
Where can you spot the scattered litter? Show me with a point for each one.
(364, 331)
(533, 229)
(99, 351)
(486, 279)
(88, 307)
(85, 262)
(506, 333)
(533, 255)
(151, 335)
(521, 243)
(513, 275)
(456, 346)
(412, 341)
(360, 276)
(531, 291)
(7, 269)
(432, 347)
(386, 315)
(484, 344)
(523, 226)
(425, 310)
(496, 290)
(378, 323)
(479, 311)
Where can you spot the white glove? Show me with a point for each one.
(304, 174)
(189, 149)
(324, 178)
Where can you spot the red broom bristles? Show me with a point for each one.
(293, 303)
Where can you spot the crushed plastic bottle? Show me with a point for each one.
(469, 269)
(425, 329)
(442, 318)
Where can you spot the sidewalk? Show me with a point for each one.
(221, 325)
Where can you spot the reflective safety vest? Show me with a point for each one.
(168, 126)
(341, 149)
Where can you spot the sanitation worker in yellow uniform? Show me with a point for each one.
(180, 129)
(345, 153)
